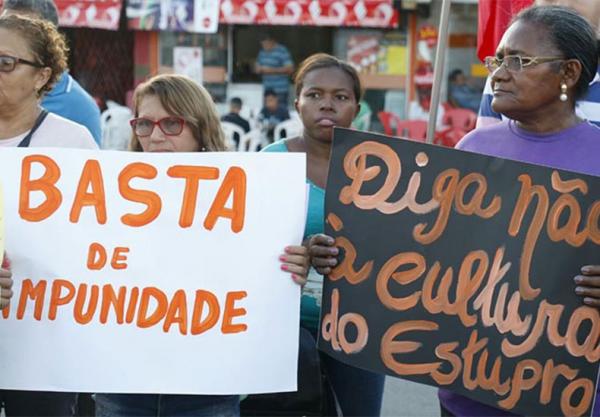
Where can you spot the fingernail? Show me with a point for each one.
(282, 258)
(284, 267)
(589, 300)
(586, 269)
(578, 290)
(334, 251)
(330, 240)
(578, 279)
(287, 249)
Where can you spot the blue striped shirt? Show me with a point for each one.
(277, 57)
(587, 109)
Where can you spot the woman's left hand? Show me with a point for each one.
(295, 260)
(588, 285)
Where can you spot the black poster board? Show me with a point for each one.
(456, 270)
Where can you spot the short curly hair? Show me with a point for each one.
(47, 45)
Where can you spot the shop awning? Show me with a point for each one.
(357, 13)
(100, 14)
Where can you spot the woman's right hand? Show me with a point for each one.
(322, 252)
(6, 283)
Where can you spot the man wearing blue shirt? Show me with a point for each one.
(275, 64)
(67, 99)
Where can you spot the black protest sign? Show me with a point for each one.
(456, 270)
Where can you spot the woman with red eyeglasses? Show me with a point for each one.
(174, 114)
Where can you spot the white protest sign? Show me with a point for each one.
(183, 290)
(187, 60)
(1, 224)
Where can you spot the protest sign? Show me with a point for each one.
(1, 225)
(457, 271)
(150, 273)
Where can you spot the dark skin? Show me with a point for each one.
(530, 97)
(326, 100)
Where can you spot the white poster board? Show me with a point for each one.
(1, 224)
(183, 247)
(187, 60)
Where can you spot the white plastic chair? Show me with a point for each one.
(292, 128)
(230, 129)
(250, 141)
(116, 132)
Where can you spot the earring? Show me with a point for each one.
(563, 92)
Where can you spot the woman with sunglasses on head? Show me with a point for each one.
(543, 65)
(33, 56)
(174, 114)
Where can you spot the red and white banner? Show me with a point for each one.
(360, 13)
(100, 14)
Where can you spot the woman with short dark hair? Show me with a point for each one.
(543, 65)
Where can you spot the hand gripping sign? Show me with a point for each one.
(457, 271)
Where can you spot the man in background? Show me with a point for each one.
(272, 114)
(460, 94)
(275, 64)
(67, 99)
(235, 106)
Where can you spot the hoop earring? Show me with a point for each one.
(563, 92)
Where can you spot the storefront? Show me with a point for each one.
(372, 34)
(101, 47)
(114, 50)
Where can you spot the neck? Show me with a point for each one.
(550, 120)
(317, 148)
(18, 119)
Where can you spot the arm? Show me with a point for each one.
(322, 252)
(588, 285)
(295, 260)
(288, 69)
(6, 283)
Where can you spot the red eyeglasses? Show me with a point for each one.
(170, 126)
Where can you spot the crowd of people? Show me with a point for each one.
(544, 71)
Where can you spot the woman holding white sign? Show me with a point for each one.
(174, 114)
(33, 56)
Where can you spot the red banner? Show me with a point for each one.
(360, 13)
(100, 14)
(494, 17)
